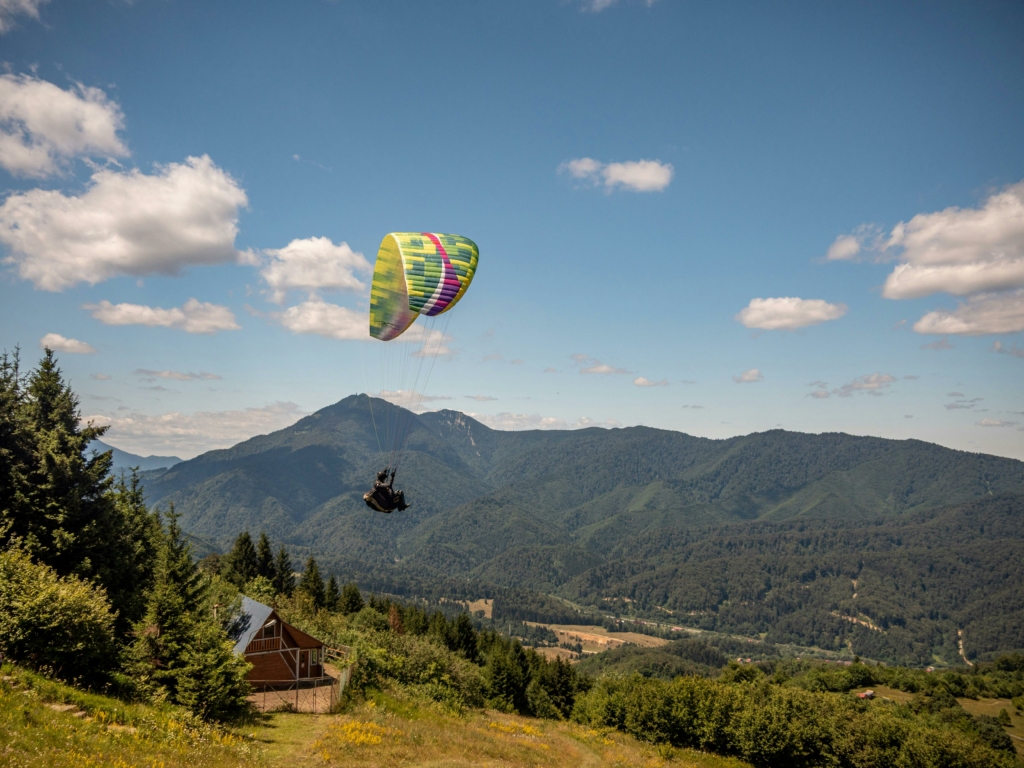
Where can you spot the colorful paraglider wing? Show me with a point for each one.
(418, 273)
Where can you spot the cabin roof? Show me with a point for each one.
(254, 615)
(252, 618)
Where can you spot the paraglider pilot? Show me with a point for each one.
(383, 497)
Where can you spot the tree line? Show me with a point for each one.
(96, 588)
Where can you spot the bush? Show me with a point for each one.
(771, 725)
(48, 622)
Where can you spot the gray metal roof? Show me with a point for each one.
(254, 615)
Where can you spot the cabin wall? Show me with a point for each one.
(278, 667)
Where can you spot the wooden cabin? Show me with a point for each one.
(280, 654)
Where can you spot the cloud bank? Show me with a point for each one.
(193, 317)
(124, 224)
(43, 127)
(187, 435)
(312, 264)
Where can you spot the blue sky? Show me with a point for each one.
(636, 176)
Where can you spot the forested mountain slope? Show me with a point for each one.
(761, 533)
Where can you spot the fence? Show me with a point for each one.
(317, 695)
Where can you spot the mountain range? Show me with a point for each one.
(126, 461)
(897, 550)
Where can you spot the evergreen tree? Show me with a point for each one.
(462, 638)
(351, 599)
(212, 681)
(15, 448)
(133, 542)
(508, 675)
(180, 651)
(264, 557)
(241, 564)
(312, 583)
(284, 581)
(164, 632)
(63, 509)
(332, 597)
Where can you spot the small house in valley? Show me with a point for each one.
(280, 654)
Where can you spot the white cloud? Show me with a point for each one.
(42, 127)
(124, 223)
(750, 376)
(176, 375)
(187, 435)
(960, 251)
(997, 346)
(986, 313)
(101, 377)
(938, 345)
(597, 6)
(11, 8)
(788, 313)
(322, 318)
(481, 398)
(640, 381)
(844, 247)
(193, 317)
(521, 421)
(633, 175)
(58, 343)
(591, 365)
(410, 399)
(819, 394)
(872, 384)
(996, 423)
(311, 264)
(865, 238)
(549, 369)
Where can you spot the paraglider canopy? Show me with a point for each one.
(418, 273)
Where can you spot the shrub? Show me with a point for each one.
(49, 622)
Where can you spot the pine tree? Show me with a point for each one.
(241, 565)
(332, 597)
(351, 599)
(133, 543)
(462, 638)
(264, 557)
(15, 449)
(64, 510)
(180, 651)
(212, 680)
(284, 581)
(312, 583)
(164, 632)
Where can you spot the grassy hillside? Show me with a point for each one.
(51, 725)
(594, 515)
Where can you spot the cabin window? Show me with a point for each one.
(313, 657)
(270, 630)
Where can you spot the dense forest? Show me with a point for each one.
(102, 591)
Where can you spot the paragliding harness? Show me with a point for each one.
(383, 497)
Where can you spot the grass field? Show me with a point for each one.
(596, 639)
(44, 724)
(394, 729)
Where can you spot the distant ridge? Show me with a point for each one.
(633, 519)
(125, 460)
